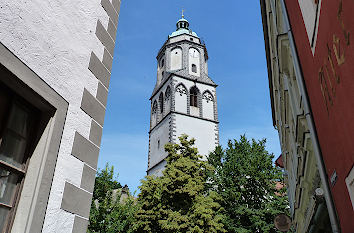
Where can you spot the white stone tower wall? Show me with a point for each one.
(204, 133)
(185, 67)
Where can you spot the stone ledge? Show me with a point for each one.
(95, 133)
(93, 107)
(80, 225)
(111, 11)
(88, 178)
(104, 37)
(85, 150)
(76, 200)
(99, 70)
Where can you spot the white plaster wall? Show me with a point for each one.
(194, 58)
(161, 132)
(176, 59)
(203, 131)
(194, 111)
(168, 103)
(55, 39)
(181, 102)
(157, 171)
(208, 109)
(206, 67)
(308, 10)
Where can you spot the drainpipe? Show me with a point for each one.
(317, 150)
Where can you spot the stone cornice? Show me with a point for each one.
(184, 114)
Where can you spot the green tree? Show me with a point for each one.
(108, 214)
(245, 178)
(178, 201)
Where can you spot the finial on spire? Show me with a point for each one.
(182, 13)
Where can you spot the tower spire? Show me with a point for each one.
(182, 13)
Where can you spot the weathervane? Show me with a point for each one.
(182, 13)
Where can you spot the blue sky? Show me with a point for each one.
(232, 31)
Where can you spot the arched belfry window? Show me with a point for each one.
(180, 95)
(194, 97)
(208, 105)
(176, 58)
(154, 114)
(181, 89)
(161, 102)
(154, 107)
(207, 96)
(168, 93)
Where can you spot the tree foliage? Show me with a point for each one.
(107, 214)
(245, 178)
(178, 201)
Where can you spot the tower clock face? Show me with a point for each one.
(193, 53)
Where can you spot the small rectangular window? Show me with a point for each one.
(194, 68)
(158, 144)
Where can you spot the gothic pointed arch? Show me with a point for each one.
(193, 96)
(194, 101)
(161, 103)
(168, 99)
(181, 98)
(208, 96)
(168, 92)
(181, 89)
(154, 107)
(194, 61)
(154, 114)
(176, 57)
(208, 105)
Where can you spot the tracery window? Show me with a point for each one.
(194, 97)
(181, 89)
(168, 93)
(161, 102)
(208, 96)
(154, 108)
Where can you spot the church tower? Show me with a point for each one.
(184, 98)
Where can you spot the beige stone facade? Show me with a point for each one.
(292, 119)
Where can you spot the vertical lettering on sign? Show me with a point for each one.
(324, 88)
(339, 16)
(337, 50)
(328, 87)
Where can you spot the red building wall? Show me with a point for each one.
(329, 80)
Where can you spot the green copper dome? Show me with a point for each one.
(183, 28)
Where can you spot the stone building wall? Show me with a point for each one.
(67, 46)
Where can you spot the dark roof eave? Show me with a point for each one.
(168, 77)
(267, 50)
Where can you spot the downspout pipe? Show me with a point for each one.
(317, 150)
